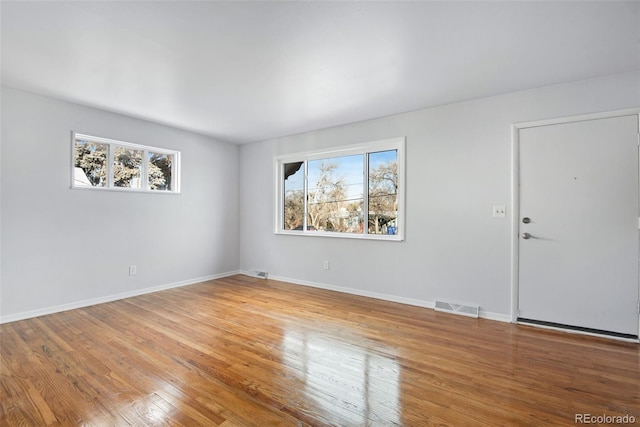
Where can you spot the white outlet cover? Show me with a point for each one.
(499, 211)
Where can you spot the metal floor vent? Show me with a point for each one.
(261, 274)
(461, 309)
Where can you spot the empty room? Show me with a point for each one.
(319, 213)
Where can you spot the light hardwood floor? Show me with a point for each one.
(247, 352)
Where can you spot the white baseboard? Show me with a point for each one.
(101, 300)
(352, 291)
(85, 303)
(386, 297)
(506, 318)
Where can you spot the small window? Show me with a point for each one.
(90, 164)
(383, 192)
(293, 218)
(107, 164)
(353, 191)
(334, 194)
(127, 167)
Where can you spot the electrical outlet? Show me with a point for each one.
(326, 265)
(133, 270)
(499, 211)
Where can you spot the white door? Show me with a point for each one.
(578, 262)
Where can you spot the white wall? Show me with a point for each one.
(458, 167)
(63, 247)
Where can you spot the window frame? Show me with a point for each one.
(146, 149)
(364, 149)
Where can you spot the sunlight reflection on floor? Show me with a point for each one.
(362, 386)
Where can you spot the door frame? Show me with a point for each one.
(515, 198)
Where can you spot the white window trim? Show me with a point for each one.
(175, 167)
(364, 148)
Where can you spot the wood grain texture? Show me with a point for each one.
(248, 352)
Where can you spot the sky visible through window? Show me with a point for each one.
(350, 168)
(352, 191)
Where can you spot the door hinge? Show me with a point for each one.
(638, 307)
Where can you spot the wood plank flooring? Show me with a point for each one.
(247, 352)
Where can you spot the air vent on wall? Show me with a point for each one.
(261, 274)
(462, 309)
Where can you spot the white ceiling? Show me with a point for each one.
(250, 71)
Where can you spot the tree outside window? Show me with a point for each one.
(355, 194)
(105, 164)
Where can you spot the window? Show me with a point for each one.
(354, 191)
(106, 164)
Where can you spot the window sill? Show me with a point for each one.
(125, 190)
(381, 237)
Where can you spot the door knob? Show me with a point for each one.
(526, 236)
